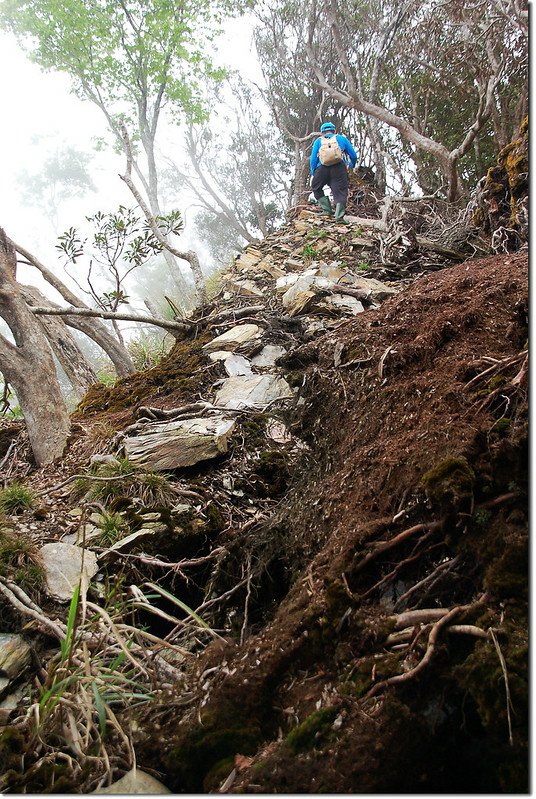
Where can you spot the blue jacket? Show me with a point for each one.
(348, 152)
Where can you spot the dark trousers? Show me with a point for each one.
(336, 177)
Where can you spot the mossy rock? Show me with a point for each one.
(313, 732)
(450, 483)
(205, 753)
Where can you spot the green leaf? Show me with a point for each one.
(66, 645)
(101, 709)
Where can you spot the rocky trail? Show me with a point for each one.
(304, 536)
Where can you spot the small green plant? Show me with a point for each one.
(107, 378)
(317, 234)
(113, 528)
(147, 487)
(481, 517)
(309, 252)
(153, 489)
(213, 283)
(148, 349)
(363, 266)
(15, 498)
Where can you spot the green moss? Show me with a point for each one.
(215, 520)
(180, 373)
(254, 431)
(507, 576)
(294, 379)
(312, 732)
(450, 482)
(502, 426)
(205, 750)
(481, 674)
(217, 774)
(272, 468)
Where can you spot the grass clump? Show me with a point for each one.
(19, 560)
(16, 498)
(148, 488)
(113, 528)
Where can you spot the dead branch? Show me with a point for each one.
(181, 327)
(509, 706)
(446, 566)
(159, 413)
(236, 313)
(74, 477)
(28, 608)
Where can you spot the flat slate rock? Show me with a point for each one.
(257, 392)
(233, 338)
(14, 654)
(180, 443)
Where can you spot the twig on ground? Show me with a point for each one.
(509, 706)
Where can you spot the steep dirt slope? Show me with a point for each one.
(383, 669)
(361, 546)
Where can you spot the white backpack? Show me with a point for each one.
(330, 152)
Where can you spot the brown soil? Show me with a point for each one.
(392, 436)
(301, 696)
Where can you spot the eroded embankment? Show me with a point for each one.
(398, 660)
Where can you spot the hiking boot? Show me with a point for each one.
(339, 214)
(325, 205)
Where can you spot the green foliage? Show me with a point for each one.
(121, 242)
(313, 731)
(113, 528)
(147, 349)
(119, 55)
(450, 481)
(363, 266)
(309, 252)
(15, 498)
(146, 487)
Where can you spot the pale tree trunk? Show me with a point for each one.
(95, 330)
(71, 358)
(28, 366)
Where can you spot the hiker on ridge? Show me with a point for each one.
(330, 158)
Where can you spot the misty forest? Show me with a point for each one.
(263, 398)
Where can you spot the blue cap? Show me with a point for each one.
(327, 126)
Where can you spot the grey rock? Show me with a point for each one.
(64, 564)
(268, 356)
(180, 443)
(134, 781)
(233, 338)
(14, 654)
(252, 392)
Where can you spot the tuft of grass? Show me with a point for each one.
(19, 560)
(149, 488)
(363, 266)
(113, 528)
(16, 498)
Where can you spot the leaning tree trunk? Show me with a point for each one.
(28, 366)
(71, 358)
(93, 329)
